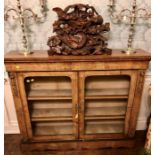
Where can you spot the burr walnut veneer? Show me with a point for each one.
(77, 102)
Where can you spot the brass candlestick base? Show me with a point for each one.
(26, 53)
(129, 51)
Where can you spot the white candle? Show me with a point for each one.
(37, 10)
(124, 18)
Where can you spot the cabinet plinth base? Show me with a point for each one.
(77, 145)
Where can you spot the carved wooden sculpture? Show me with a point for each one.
(78, 32)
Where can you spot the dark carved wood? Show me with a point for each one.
(78, 32)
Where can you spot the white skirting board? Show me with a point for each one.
(11, 124)
(10, 119)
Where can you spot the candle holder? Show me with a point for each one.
(21, 15)
(130, 15)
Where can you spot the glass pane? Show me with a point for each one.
(53, 108)
(48, 86)
(50, 105)
(107, 85)
(106, 99)
(104, 107)
(52, 128)
(104, 126)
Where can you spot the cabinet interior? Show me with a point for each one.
(106, 99)
(107, 85)
(51, 109)
(52, 128)
(104, 126)
(50, 105)
(105, 107)
(48, 87)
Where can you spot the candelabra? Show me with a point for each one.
(131, 16)
(21, 15)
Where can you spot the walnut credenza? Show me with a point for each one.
(77, 102)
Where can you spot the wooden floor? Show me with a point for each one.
(12, 147)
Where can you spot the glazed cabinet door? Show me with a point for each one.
(50, 105)
(106, 99)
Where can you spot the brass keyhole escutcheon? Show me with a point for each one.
(76, 116)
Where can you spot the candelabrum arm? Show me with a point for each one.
(32, 14)
(145, 14)
(118, 17)
(125, 12)
(6, 13)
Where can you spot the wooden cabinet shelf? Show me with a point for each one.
(47, 119)
(104, 117)
(107, 92)
(49, 95)
(107, 97)
(77, 101)
(50, 98)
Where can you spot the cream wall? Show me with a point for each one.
(39, 33)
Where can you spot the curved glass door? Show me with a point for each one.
(50, 101)
(105, 103)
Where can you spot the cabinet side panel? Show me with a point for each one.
(18, 103)
(136, 102)
(24, 104)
